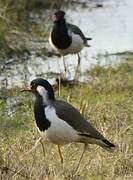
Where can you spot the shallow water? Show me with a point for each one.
(109, 26)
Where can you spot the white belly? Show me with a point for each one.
(75, 47)
(59, 131)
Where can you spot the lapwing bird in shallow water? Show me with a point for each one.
(60, 121)
(67, 38)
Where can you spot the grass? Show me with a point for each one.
(106, 101)
(16, 24)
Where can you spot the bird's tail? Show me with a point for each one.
(87, 45)
(104, 143)
(100, 141)
(87, 39)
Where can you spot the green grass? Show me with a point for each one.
(106, 101)
(16, 25)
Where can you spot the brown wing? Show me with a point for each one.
(76, 30)
(73, 117)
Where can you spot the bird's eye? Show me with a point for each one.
(34, 86)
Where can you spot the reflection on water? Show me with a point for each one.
(111, 28)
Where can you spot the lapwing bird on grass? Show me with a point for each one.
(60, 121)
(67, 38)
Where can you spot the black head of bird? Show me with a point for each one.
(41, 88)
(58, 16)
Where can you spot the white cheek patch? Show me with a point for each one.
(43, 92)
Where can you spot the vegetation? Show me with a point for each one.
(16, 24)
(106, 101)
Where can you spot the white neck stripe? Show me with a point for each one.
(43, 93)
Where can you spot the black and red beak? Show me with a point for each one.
(29, 89)
(55, 18)
(58, 15)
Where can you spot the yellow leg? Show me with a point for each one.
(61, 157)
(81, 157)
(65, 68)
(77, 67)
(42, 147)
(59, 85)
(78, 61)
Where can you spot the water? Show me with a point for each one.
(110, 27)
